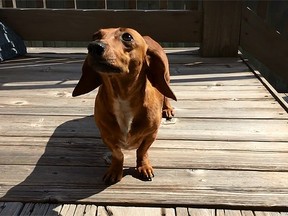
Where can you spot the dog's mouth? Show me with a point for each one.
(104, 66)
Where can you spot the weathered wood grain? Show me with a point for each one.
(185, 128)
(221, 28)
(82, 25)
(68, 209)
(180, 211)
(201, 212)
(40, 209)
(27, 209)
(10, 208)
(136, 211)
(87, 103)
(13, 143)
(26, 90)
(173, 156)
(205, 112)
(93, 210)
(90, 210)
(182, 94)
(247, 213)
(228, 212)
(227, 148)
(253, 28)
(181, 187)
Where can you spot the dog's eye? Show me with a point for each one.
(126, 37)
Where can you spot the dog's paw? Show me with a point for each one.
(168, 113)
(146, 172)
(113, 175)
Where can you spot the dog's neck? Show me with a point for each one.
(126, 94)
(125, 86)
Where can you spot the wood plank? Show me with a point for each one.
(257, 113)
(53, 210)
(228, 212)
(43, 102)
(197, 112)
(163, 4)
(207, 93)
(192, 92)
(247, 213)
(175, 154)
(10, 208)
(102, 211)
(220, 129)
(82, 23)
(181, 211)
(64, 177)
(185, 80)
(192, 129)
(68, 209)
(262, 9)
(70, 71)
(221, 28)
(80, 210)
(40, 209)
(88, 144)
(225, 95)
(27, 209)
(201, 212)
(266, 213)
(135, 211)
(86, 104)
(191, 187)
(254, 29)
(196, 93)
(91, 210)
(198, 68)
(173, 157)
(68, 75)
(184, 55)
(131, 211)
(215, 79)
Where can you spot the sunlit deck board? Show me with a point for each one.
(229, 146)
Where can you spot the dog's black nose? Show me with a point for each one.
(96, 48)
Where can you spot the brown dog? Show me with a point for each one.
(133, 74)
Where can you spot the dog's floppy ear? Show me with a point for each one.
(158, 68)
(88, 81)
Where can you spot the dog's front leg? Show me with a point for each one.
(167, 109)
(143, 164)
(114, 173)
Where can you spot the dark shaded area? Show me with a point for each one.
(69, 163)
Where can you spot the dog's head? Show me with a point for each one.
(124, 51)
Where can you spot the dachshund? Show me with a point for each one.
(132, 74)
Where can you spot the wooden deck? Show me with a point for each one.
(227, 153)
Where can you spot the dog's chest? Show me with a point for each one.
(124, 115)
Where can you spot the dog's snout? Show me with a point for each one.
(96, 48)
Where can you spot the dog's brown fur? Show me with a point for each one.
(133, 74)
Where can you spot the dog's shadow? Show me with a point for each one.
(70, 169)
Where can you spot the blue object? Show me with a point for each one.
(11, 45)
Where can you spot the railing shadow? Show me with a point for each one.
(63, 71)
